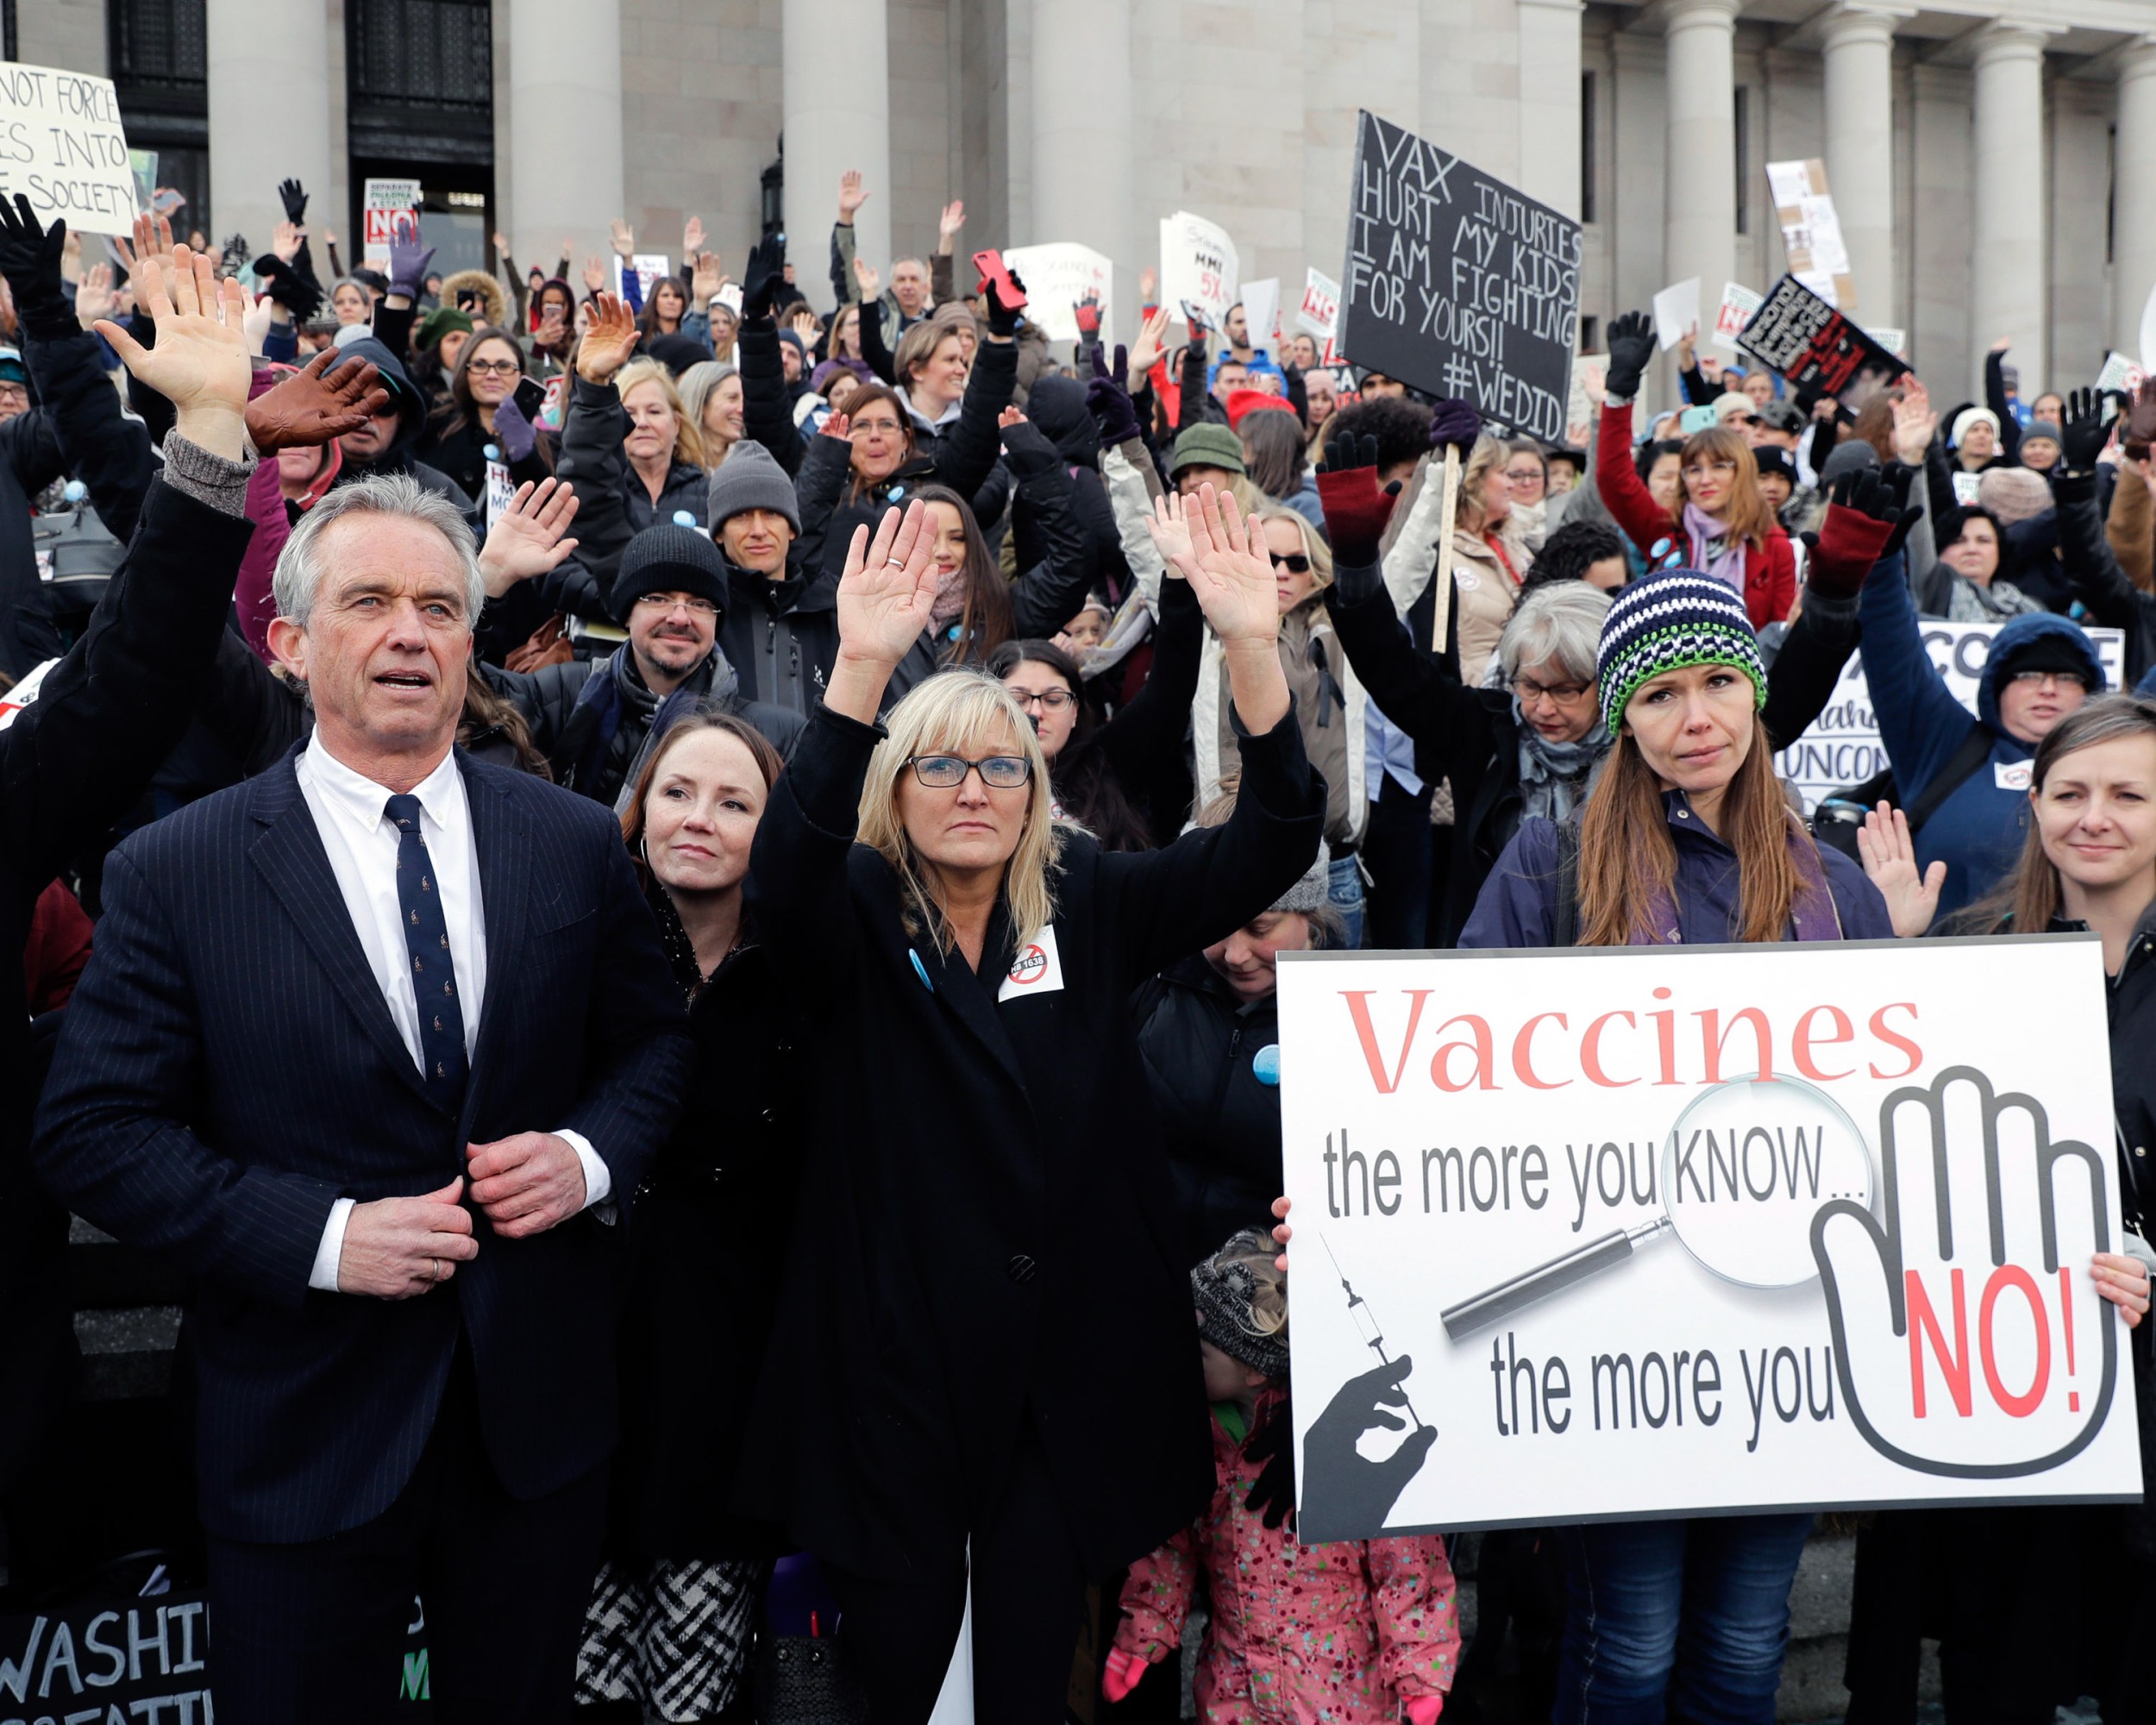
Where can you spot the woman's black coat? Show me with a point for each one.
(707, 1237)
(987, 1235)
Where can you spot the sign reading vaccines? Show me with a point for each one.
(1844, 748)
(1650, 1232)
(63, 147)
(1458, 283)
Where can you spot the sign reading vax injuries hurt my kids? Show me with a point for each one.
(1458, 283)
(1661, 1231)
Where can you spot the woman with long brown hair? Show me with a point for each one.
(1684, 837)
(1721, 523)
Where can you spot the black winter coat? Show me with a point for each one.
(614, 504)
(459, 451)
(707, 1240)
(1200, 1041)
(70, 764)
(990, 1200)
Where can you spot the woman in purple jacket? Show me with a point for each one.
(1684, 836)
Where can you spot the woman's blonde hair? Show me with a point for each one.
(689, 436)
(1314, 545)
(1487, 452)
(1627, 859)
(918, 345)
(962, 711)
(697, 385)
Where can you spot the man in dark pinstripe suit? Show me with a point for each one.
(382, 1019)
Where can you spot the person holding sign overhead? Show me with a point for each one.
(985, 1335)
(1721, 521)
(1684, 837)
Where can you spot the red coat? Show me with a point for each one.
(1769, 570)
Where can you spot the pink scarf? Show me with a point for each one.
(1704, 531)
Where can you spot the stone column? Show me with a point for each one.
(836, 89)
(1858, 48)
(1550, 103)
(2006, 242)
(2134, 214)
(565, 128)
(1700, 230)
(269, 118)
(1082, 130)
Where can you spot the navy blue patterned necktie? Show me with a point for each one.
(434, 980)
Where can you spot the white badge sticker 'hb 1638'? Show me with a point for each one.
(1038, 969)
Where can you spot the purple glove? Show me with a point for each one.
(516, 435)
(1456, 425)
(407, 263)
(1110, 404)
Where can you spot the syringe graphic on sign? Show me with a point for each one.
(1745, 1170)
(1366, 1322)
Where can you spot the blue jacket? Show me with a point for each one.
(1519, 900)
(1977, 831)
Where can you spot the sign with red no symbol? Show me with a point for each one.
(1666, 1231)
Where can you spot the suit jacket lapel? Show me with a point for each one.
(289, 853)
(504, 859)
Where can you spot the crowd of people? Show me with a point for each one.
(755, 845)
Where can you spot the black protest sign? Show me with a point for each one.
(1818, 350)
(1457, 283)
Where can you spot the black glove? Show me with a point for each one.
(1454, 424)
(29, 258)
(295, 197)
(1631, 346)
(1272, 1494)
(765, 276)
(2089, 417)
(1109, 402)
(1026, 447)
(298, 294)
(1003, 320)
(1868, 518)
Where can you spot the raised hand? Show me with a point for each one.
(2089, 417)
(286, 240)
(255, 324)
(1916, 422)
(1356, 508)
(624, 237)
(1889, 854)
(1114, 414)
(609, 338)
(765, 274)
(850, 195)
(1003, 320)
(2140, 421)
(501, 245)
(1688, 348)
(594, 274)
(706, 278)
(1148, 286)
(887, 588)
(692, 236)
(837, 425)
(1171, 535)
(526, 539)
(410, 259)
(803, 325)
(1231, 577)
(200, 363)
(313, 405)
(93, 295)
(1631, 346)
(949, 223)
(1868, 516)
(293, 196)
(30, 252)
(1152, 343)
(869, 281)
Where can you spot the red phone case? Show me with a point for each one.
(991, 265)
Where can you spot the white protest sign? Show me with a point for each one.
(1676, 312)
(1895, 342)
(1198, 266)
(62, 145)
(1739, 303)
(1967, 486)
(2119, 373)
(1811, 231)
(1843, 748)
(649, 266)
(1319, 312)
(387, 206)
(1058, 278)
(1261, 312)
(1654, 1232)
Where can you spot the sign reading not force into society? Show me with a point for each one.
(1646, 1232)
(1457, 283)
(62, 144)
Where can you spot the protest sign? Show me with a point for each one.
(1815, 347)
(1648, 1231)
(1842, 747)
(2119, 373)
(649, 266)
(1319, 312)
(1676, 312)
(1058, 278)
(1895, 342)
(63, 147)
(1811, 231)
(1261, 311)
(1198, 265)
(1735, 311)
(387, 207)
(1458, 283)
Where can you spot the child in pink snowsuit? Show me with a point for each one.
(1355, 1634)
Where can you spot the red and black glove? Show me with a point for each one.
(1356, 508)
(1868, 518)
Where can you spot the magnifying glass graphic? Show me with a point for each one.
(1742, 1173)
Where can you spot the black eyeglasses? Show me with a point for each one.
(702, 608)
(495, 368)
(1054, 699)
(1296, 565)
(998, 772)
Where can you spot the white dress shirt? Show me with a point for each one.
(350, 814)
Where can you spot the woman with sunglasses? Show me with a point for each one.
(1719, 518)
(990, 1211)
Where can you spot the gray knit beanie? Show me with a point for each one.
(1313, 891)
(1225, 1289)
(750, 479)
